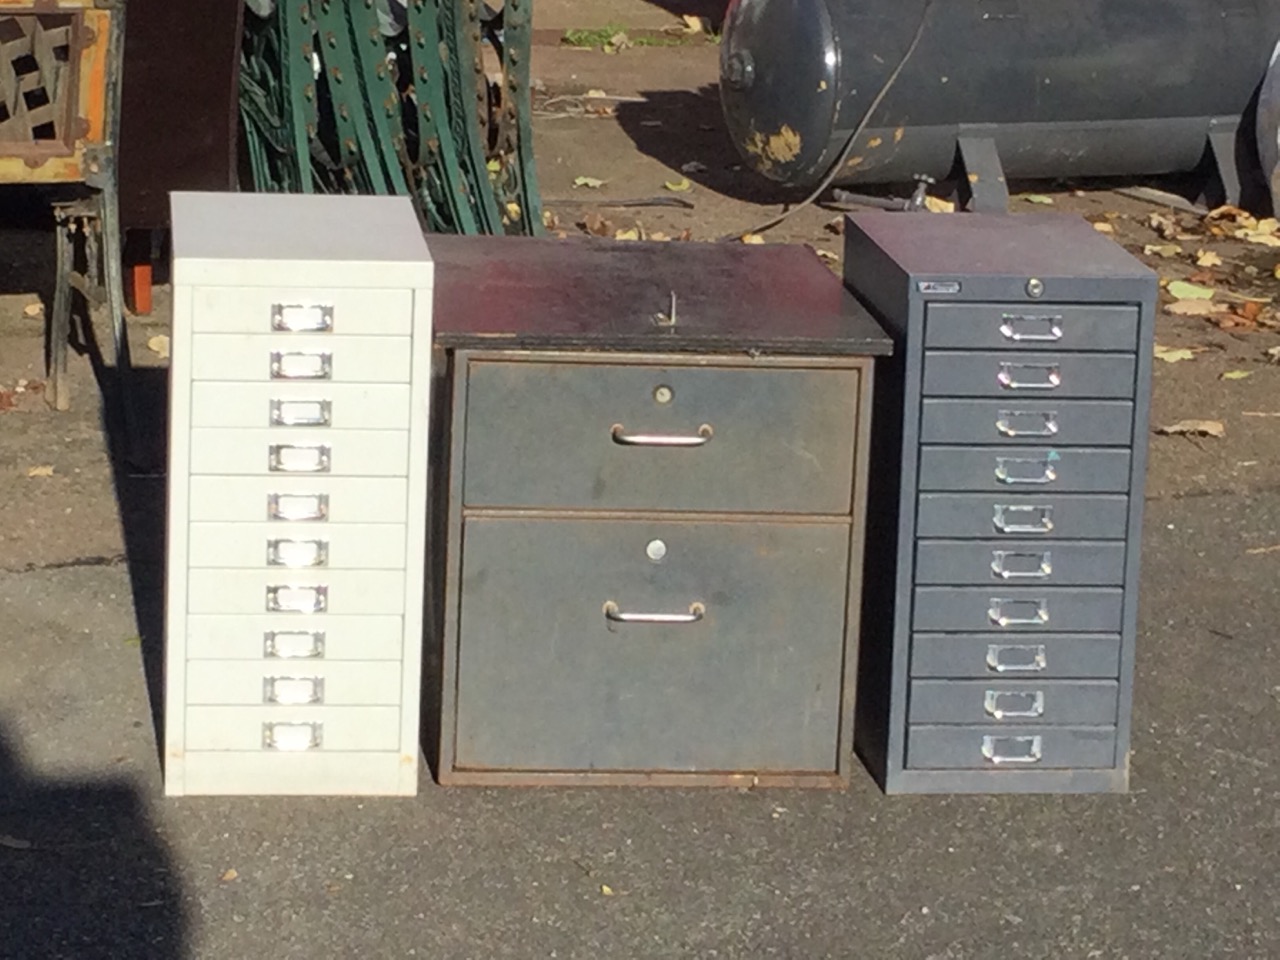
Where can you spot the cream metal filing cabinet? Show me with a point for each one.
(299, 390)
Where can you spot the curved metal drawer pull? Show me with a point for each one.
(1034, 700)
(301, 413)
(621, 437)
(293, 691)
(298, 458)
(696, 612)
(297, 318)
(1052, 374)
(297, 506)
(1042, 565)
(1018, 613)
(297, 553)
(1007, 427)
(301, 365)
(1009, 328)
(292, 737)
(1047, 475)
(997, 660)
(1004, 512)
(290, 599)
(293, 645)
(1032, 749)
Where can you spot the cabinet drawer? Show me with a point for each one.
(339, 453)
(963, 515)
(295, 592)
(1007, 326)
(314, 499)
(298, 358)
(283, 639)
(1025, 470)
(613, 436)
(271, 773)
(1097, 423)
(293, 683)
(336, 546)
(1053, 562)
(975, 609)
(1060, 656)
(571, 656)
(293, 729)
(315, 406)
(296, 311)
(1000, 748)
(1083, 702)
(1029, 375)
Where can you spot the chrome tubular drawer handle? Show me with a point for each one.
(293, 645)
(1006, 518)
(622, 438)
(292, 737)
(1023, 423)
(293, 691)
(297, 506)
(1017, 658)
(1014, 704)
(1012, 471)
(696, 612)
(286, 599)
(297, 553)
(1046, 376)
(301, 366)
(298, 458)
(299, 318)
(1015, 565)
(1028, 329)
(301, 413)
(1000, 750)
(1018, 613)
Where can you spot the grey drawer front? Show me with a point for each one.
(1002, 748)
(1023, 327)
(1060, 656)
(546, 681)
(1089, 423)
(1032, 375)
(1017, 609)
(1024, 470)
(1020, 562)
(1086, 702)
(963, 515)
(594, 437)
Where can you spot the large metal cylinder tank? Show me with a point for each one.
(1064, 88)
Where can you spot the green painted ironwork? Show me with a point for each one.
(438, 108)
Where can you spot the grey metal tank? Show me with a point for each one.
(1059, 88)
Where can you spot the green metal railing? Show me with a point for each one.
(439, 110)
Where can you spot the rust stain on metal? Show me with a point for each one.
(899, 134)
(874, 142)
(855, 162)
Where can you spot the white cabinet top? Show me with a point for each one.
(297, 239)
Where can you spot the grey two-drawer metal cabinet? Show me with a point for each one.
(297, 486)
(1008, 472)
(653, 522)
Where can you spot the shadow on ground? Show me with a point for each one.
(679, 127)
(85, 874)
(713, 10)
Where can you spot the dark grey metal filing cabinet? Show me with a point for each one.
(1008, 461)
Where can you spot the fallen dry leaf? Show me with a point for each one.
(13, 843)
(45, 470)
(1173, 354)
(606, 890)
(836, 226)
(591, 183)
(550, 220)
(693, 166)
(827, 255)
(1039, 198)
(1165, 250)
(1194, 428)
(1202, 276)
(229, 875)
(1103, 227)
(1262, 239)
(159, 345)
(1195, 308)
(631, 233)
(752, 238)
(1256, 551)
(659, 236)
(1207, 258)
(597, 225)
(938, 205)
(1181, 290)
(6, 400)
(1236, 375)
(1273, 354)
(1249, 310)
(679, 186)
(514, 213)
(596, 94)
(1165, 226)
(685, 234)
(33, 310)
